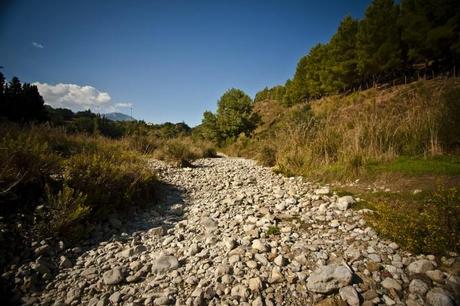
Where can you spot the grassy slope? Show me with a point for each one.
(381, 146)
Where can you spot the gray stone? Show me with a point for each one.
(64, 263)
(115, 297)
(329, 278)
(280, 261)
(420, 266)
(349, 295)
(436, 275)
(164, 263)
(41, 250)
(390, 283)
(163, 300)
(418, 286)
(343, 203)
(240, 291)
(259, 246)
(255, 284)
(439, 297)
(113, 277)
(323, 191)
(229, 243)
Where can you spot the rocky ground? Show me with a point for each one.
(230, 232)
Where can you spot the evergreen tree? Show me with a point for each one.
(343, 55)
(378, 41)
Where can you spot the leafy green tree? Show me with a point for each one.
(234, 114)
(378, 41)
(208, 127)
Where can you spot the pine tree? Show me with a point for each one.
(378, 41)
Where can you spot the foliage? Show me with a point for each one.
(176, 152)
(273, 230)
(391, 43)
(274, 93)
(20, 102)
(234, 116)
(344, 136)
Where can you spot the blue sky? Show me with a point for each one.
(171, 60)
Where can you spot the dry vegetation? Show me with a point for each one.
(77, 179)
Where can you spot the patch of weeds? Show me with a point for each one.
(273, 230)
(427, 222)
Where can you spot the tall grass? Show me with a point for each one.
(344, 133)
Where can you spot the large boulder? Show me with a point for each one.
(329, 278)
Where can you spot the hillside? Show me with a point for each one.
(396, 148)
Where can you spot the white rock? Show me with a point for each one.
(390, 283)
(329, 278)
(343, 203)
(349, 295)
(418, 286)
(420, 266)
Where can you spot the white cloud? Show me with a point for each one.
(37, 45)
(124, 104)
(77, 98)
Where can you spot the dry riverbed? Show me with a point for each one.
(229, 232)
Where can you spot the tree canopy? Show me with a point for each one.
(392, 41)
(234, 116)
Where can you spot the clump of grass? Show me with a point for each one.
(273, 230)
(267, 156)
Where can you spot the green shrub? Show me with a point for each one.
(26, 166)
(78, 178)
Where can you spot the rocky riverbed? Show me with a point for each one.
(229, 232)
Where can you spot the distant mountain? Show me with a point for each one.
(118, 117)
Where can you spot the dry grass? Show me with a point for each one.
(345, 133)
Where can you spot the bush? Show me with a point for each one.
(267, 156)
(177, 152)
(26, 166)
(78, 178)
(110, 181)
